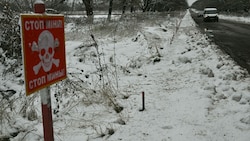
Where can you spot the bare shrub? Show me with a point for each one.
(27, 108)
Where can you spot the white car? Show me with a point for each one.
(210, 14)
(51, 11)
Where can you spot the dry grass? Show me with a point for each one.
(128, 25)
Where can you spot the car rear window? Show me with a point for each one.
(210, 11)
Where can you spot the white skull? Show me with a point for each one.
(46, 49)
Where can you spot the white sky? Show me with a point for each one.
(190, 2)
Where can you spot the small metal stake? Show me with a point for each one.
(143, 102)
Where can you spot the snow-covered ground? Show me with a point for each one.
(193, 91)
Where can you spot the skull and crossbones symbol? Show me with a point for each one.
(45, 46)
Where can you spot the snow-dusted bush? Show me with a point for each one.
(10, 40)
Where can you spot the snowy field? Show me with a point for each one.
(193, 91)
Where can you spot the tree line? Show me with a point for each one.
(89, 5)
(10, 40)
(133, 5)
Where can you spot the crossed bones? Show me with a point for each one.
(37, 67)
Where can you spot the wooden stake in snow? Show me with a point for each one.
(143, 102)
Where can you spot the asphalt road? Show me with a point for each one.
(232, 37)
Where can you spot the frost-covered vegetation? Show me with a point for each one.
(88, 92)
(10, 40)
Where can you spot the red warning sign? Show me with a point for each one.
(43, 44)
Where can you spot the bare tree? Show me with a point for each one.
(124, 5)
(145, 5)
(132, 5)
(89, 9)
(110, 9)
(25, 5)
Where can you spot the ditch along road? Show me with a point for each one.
(232, 38)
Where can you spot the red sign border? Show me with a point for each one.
(38, 16)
